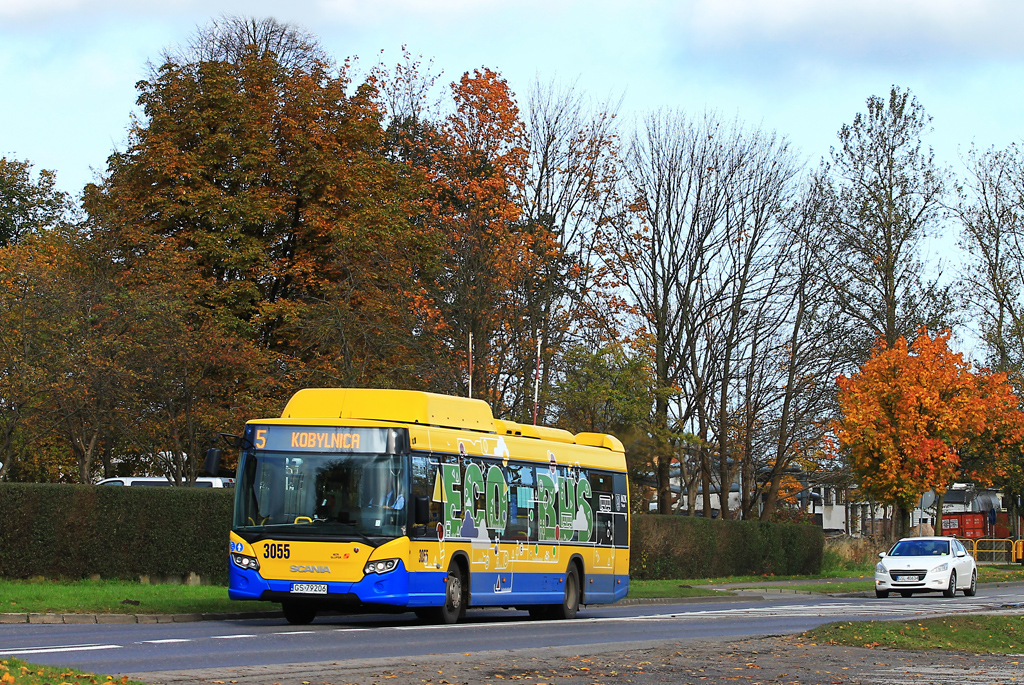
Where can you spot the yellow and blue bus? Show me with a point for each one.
(399, 500)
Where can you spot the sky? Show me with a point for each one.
(802, 68)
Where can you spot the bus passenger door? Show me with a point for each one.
(601, 575)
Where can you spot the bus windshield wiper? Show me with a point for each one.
(364, 537)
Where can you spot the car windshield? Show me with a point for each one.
(356, 496)
(920, 548)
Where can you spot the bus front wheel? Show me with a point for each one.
(455, 599)
(297, 613)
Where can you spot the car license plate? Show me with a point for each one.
(906, 579)
(310, 588)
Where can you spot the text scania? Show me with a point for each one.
(325, 441)
(295, 568)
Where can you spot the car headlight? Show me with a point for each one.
(380, 566)
(245, 562)
(941, 568)
(879, 568)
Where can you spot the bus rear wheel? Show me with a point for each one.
(298, 613)
(571, 601)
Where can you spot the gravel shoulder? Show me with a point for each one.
(769, 659)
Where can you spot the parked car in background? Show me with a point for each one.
(933, 564)
(147, 481)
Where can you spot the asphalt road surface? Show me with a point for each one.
(660, 642)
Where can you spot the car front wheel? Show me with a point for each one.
(951, 590)
(973, 589)
(882, 594)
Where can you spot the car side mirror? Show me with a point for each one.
(881, 555)
(961, 554)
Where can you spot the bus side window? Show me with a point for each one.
(621, 508)
(603, 503)
(424, 472)
(521, 503)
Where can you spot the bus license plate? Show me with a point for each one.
(310, 588)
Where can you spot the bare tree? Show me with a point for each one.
(677, 173)
(752, 291)
(568, 196)
(230, 38)
(991, 212)
(808, 353)
(886, 192)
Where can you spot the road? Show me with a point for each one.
(138, 649)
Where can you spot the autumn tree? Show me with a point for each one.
(63, 376)
(488, 251)
(268, 167)
(918, 417)
(887, 198)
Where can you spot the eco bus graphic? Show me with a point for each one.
(389, 499)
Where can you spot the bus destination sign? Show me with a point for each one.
(318, 439)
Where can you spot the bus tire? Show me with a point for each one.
(571, 601)
(298, 613)
(456, 594)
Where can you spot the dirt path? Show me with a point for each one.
(761, 660)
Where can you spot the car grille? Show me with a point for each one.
(908, 576)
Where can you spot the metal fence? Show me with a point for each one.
(995, 550)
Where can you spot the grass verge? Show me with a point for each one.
(117, 597)
(995, 634)
(17, 672)
(126, 597)
(669, 588)
(986, 574)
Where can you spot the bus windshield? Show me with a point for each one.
(349, 496)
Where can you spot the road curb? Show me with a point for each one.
(684, 600)
(68, 619)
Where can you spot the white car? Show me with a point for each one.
(938, 564)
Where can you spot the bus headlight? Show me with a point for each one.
(381, 566)
(244, 562)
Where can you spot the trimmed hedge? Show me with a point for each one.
(74, 531)
(670, 547)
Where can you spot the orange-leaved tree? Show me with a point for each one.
(917, 417)
(489, 252)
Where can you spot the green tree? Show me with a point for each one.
(28, 206)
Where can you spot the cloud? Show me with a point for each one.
(869, 30)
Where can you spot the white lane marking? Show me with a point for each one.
(50, 650)
(161, 642)
(295, 632)
(447, 627)
(229, 637)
